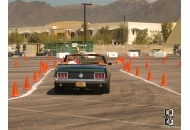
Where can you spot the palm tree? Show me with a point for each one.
(104, 30)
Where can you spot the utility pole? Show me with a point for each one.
(16, 36)
(85, 20)
(124, 31)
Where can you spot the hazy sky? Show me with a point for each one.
(67, 2)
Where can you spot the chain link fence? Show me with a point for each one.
(70, 47)
(89, 47)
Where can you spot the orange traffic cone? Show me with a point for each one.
(27, 85)
(164, 83)
(179, 65)
(35, 77)
(47, 67)
(44, 67)
(137, 72)
(40, 62)
(41, 70)
(163, 61)
(149, 75)
(14, 91)
(147, 65)
(16, 63)
(130, 62)
(125, 66)
(129, 68)
(54, 64)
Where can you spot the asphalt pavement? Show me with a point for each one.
(133, 102)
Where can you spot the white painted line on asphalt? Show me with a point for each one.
(34, 87)
(94, 118)
(151, 83)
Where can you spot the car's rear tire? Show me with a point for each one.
(107, 88)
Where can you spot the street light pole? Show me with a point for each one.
(124, 31)
(85, 20)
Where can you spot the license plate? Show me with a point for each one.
(80, 84)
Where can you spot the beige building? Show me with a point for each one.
(69, 29)
(26, 31)
(153, 28)
(58, 28)
(64, 28)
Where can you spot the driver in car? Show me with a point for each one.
(72, 61)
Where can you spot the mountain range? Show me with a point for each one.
(36, 13)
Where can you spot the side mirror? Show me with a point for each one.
(109, 63)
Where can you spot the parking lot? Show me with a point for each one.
(133, 103)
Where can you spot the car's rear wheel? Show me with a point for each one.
(107, 88)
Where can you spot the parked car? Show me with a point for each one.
(83, 73)
(11, 52)
(178, 50)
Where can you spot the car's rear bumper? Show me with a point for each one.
(88, 85)
(71, 83)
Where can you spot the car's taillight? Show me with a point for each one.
(62, 75)
(99, 75)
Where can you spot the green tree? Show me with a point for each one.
(43, 37)
(34, 38)
(12, 38)
(157, 38)
(142, 37)
(120, 35)
(15, 38)
(104, 35)
(78, 38)
(53, 38)
(62, 37)
(80, 33)
(87, 26)
(166, 29)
